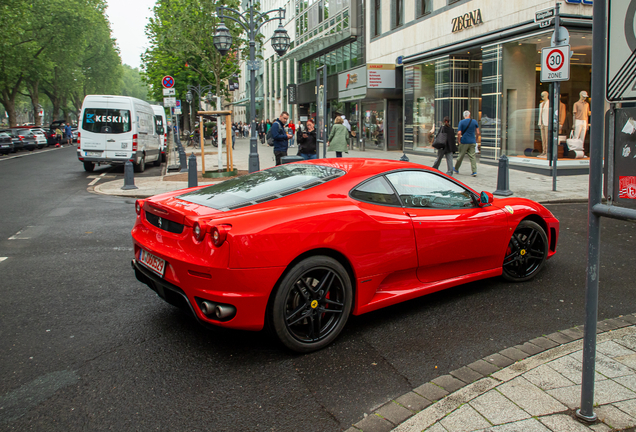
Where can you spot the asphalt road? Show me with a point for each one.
(85, 346)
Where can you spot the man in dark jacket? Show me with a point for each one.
(280, 137)
(307, 141)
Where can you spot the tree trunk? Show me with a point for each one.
(8, 100)
(33, 88)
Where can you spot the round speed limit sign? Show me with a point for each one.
(555, 63)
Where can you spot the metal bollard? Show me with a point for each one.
(129, 176)
(192, 171)
(503, 178)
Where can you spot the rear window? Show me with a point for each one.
(100, 120)
(262, 186)
(159, 124)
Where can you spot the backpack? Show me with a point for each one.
(269, 137)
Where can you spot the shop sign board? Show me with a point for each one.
(555, 63)
(352, 84)
(544, 15)
(381, 76)
(621, 51)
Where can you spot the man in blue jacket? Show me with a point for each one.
(280, 137)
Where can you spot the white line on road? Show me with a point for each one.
(94, 181)
(3, 258)
(35, 152)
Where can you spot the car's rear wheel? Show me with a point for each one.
(526, 253)
(89, 166)
(312, 304)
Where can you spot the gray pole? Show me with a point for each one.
(254, 162)
(555, 107)
(586, 412)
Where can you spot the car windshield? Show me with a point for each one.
(262, 186)
(102, 120)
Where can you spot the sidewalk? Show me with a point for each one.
(523, 184)
(531, 387)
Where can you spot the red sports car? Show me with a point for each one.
(301, 246)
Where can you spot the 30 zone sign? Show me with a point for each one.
(555, 63)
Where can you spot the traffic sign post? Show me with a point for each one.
(167, 82)
(621, 52)
(169, 91)
(555, 63)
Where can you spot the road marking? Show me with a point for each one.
(34, 152)
(3, 258)
(28, 233)
(94, 181)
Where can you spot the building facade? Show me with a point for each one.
(478, 55)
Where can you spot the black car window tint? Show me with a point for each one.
(421, 189)
(376, 191)
(101, 120)
(262, 186)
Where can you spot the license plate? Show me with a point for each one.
(93, 153)
(4, 146)
(155, 264)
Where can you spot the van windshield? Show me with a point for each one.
(159, 124)
(101, 120)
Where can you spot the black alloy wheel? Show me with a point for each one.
(526, 253)
(312, 304)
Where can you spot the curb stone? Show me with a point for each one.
(447, 389)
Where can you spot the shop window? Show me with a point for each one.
(373, 124)
(397, 13)
(424, 7)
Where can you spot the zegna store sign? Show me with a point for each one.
(467, 20)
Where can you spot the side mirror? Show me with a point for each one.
(485, 199)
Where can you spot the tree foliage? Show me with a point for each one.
(62, 48)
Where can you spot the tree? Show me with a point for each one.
(132, 83)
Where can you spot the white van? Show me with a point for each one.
(161, 128)
(116, 129)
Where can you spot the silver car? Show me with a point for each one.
(40, 137)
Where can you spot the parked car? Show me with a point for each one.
(22, 139)
(6, 143)
(75, 134)
(40, 137)
(303, 245)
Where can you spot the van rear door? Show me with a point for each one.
(108, 131)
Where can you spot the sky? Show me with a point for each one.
(128, 20)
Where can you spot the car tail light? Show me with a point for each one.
(134, 146)
(21, 137)
(139, 204)
(219, 234)
(79, 134)
(198, 231)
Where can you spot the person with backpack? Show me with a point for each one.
(279, 137)
(445, 136)
(467, 137)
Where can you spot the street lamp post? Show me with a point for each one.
(251, 22)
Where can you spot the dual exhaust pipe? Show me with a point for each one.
(218, 311)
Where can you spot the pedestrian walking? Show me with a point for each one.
(261, 128)
(307, 141)
(280, 136)
(269, 125)
(445, 135)
(338, 138)
(292, 131)
(246, 130)
(467, 137)
(69, 133)
(58, 137)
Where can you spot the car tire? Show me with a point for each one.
(158, 161)
(526, 253)
(89, 166)
(314, 296)
(141, 166)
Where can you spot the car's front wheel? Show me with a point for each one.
(526, 253)
(312, 304)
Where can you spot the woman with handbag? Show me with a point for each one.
(338, 138)
(445, 144)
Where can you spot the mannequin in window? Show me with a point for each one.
(581, 113)
(544, 119)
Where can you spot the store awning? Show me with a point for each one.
(313, 46)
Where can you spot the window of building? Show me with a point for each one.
(424, 7)
(376, 18)
(397, 13)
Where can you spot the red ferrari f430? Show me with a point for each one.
(302, 246)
